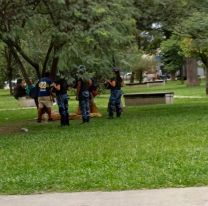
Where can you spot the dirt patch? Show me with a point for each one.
(13, 127)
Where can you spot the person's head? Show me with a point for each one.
(31, 81)
(23, 83)
(19, 81)
(116, 71)
(81, 69)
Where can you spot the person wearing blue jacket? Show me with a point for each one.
(44, 97)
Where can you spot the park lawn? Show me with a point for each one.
(176, 86)
(155, 146)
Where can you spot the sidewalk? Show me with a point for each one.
(162, 197)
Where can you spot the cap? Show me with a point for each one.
(81, 69)
(116, 69)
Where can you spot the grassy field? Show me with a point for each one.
(155, 146)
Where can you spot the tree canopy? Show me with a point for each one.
(59, 35)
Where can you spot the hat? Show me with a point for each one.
(81, 69)
(116, 69)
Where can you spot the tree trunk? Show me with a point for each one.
(113, 60)
(205, 62)
(50, 48)
(140, 76)
(10, 87)
(173, 75)
(16, 48)
(206, 71)
(54, 68)
(9, 68)
(9, 76)
(191, 66)
(183, 73)
(132, 77)
(21, 66)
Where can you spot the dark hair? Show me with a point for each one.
(46, 74)
(19, 81)
(81, 69)
(115, 69)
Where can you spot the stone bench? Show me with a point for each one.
(26, 102)
(134, 99)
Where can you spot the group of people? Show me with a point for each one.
(84, 93)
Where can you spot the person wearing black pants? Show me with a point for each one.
(83, 94)
(114, 103)
(61, 87)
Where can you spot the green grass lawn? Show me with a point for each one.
(154, 146)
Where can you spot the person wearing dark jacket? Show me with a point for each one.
(60, 88)
(114, 103)
(83, 94)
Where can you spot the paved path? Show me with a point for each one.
(162, 197)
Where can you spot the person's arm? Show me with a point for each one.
(57, 86)
(112, 83)
(78, 89)
(90, 83)
(122, 82)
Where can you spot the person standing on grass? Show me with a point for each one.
(83, 94)
(44, 97)
(60, 88)
(115, 85)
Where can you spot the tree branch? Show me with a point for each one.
(11, 43)
(47, 56)
(22, 68)
(50, 12)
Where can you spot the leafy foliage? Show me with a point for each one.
(171, 54)
(64, 34)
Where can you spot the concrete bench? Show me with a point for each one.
(26, 102)
(135, 99)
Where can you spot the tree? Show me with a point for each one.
(90, 31)
(13, 16)
(156, 20)
(171, 56)
(193, 33)
(103, 39)
(159, 20)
